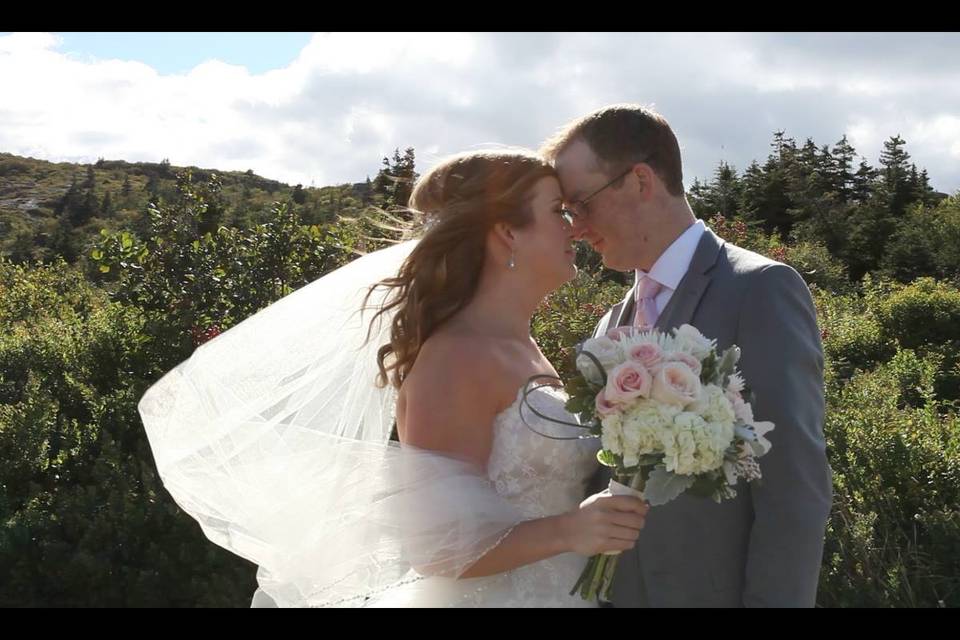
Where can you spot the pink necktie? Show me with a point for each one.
(646, 315)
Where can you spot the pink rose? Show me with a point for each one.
(687, 359)
(675, 384)
(648, 354)
(628, 381)
(604, 406)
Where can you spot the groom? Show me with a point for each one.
(620, 170)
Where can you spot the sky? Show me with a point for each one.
(324, 108)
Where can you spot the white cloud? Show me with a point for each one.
(349, 99)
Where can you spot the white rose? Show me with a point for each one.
(605, 350)
(693, 342)
(589, 369)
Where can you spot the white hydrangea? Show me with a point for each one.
(641, 438)
(714, 406)
(694, 445)
(611, 435)
(721, 436)
(641, 429)
(651, 413)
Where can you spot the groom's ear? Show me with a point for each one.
(646, 180)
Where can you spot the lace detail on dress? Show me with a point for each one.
(542, 477)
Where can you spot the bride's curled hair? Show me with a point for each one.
(458, 202)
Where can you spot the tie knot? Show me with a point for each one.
(648, 288)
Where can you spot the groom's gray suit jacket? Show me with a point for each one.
(764, 547)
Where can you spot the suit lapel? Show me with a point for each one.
(683, 303)
(624, 315)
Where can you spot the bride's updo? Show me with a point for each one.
(459, 202)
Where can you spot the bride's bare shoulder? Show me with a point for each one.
(457, 385)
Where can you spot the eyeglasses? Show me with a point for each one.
(578, 208)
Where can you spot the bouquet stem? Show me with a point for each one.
(596, 579)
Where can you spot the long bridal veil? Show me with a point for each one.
(275, 438)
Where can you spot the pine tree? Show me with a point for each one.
(843, 154)
(895, 175)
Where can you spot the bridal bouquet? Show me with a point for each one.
(672, 418)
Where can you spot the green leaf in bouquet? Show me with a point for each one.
(663, 486)
(624, 474)
(645, 465)
(577, 386)
(704, 486)
(576, 404)
(723, 492)
(573, 406)
(708, 372)
(728, 365)
(607, 458)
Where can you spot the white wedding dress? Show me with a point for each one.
(541, 477)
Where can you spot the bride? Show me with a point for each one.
(274, 435)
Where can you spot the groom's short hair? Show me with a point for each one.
(623, 134)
